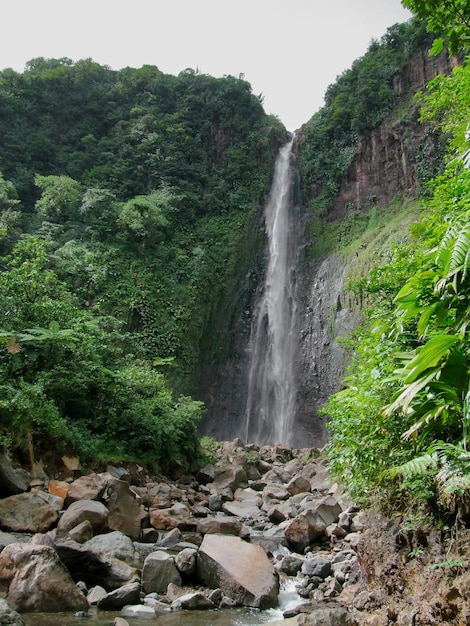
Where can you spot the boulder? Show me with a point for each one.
(185, 561)
(12, 481)
(27, 512)
(125, 511)
(95, 568)
(316, 566)
(82, 532)
(241, 570)
(243, 509)
(176, 516)
(38, 581)
(95, 594)
(59, 488)
(95, 512)
(89, 487)
(158, 572)
(138, 611)
(311, 523)
(220, 525)
(194, 601)
(298, 484)
(115, 545)
(119, 598)
(228, 477)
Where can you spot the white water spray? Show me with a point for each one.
(271, 395)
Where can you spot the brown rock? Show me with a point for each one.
(59, 488)
(90, 487)
(27, 512)
(176, 516)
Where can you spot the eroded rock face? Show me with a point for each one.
(36, 580)
(240, 569)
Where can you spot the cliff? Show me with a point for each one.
(394, 158)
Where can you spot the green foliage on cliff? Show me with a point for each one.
(400, 425)
(358, 101)
(125, 198)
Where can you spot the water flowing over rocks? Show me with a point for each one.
(257, 525)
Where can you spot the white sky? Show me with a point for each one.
(289, 50)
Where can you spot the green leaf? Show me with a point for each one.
(437, 47)
(429, 355)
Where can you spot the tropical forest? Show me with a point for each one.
(133, 246)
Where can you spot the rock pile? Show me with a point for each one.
(232, 533)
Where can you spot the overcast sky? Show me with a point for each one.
(289, 50)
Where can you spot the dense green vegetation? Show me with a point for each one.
(358, 101)
(400, 427)
(126, 200)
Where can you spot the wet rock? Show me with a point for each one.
(194, 601)
(138, 611)
(291, 565)
(117, 599)
(316, 566)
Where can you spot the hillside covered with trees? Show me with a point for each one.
(129, 210)
(127, 205)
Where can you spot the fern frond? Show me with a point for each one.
(419, 466)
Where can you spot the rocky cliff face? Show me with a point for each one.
(386, 164)
(391, 158)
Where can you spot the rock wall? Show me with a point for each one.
(386, 165)
(388, 157)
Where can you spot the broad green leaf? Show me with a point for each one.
(429, 355)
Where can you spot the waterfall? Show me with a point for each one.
(271, 396)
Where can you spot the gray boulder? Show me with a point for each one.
(241, 570)
(37, 580)
(158, 572)
(27, 512)
(115, 545)
(95, 512)
(12, 481)
(121, 597)
(125, 511)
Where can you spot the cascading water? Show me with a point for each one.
(271, 398)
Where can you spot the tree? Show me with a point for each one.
(145, 218)
(60, 198)
(449, 17)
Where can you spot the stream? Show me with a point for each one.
(288, 598)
